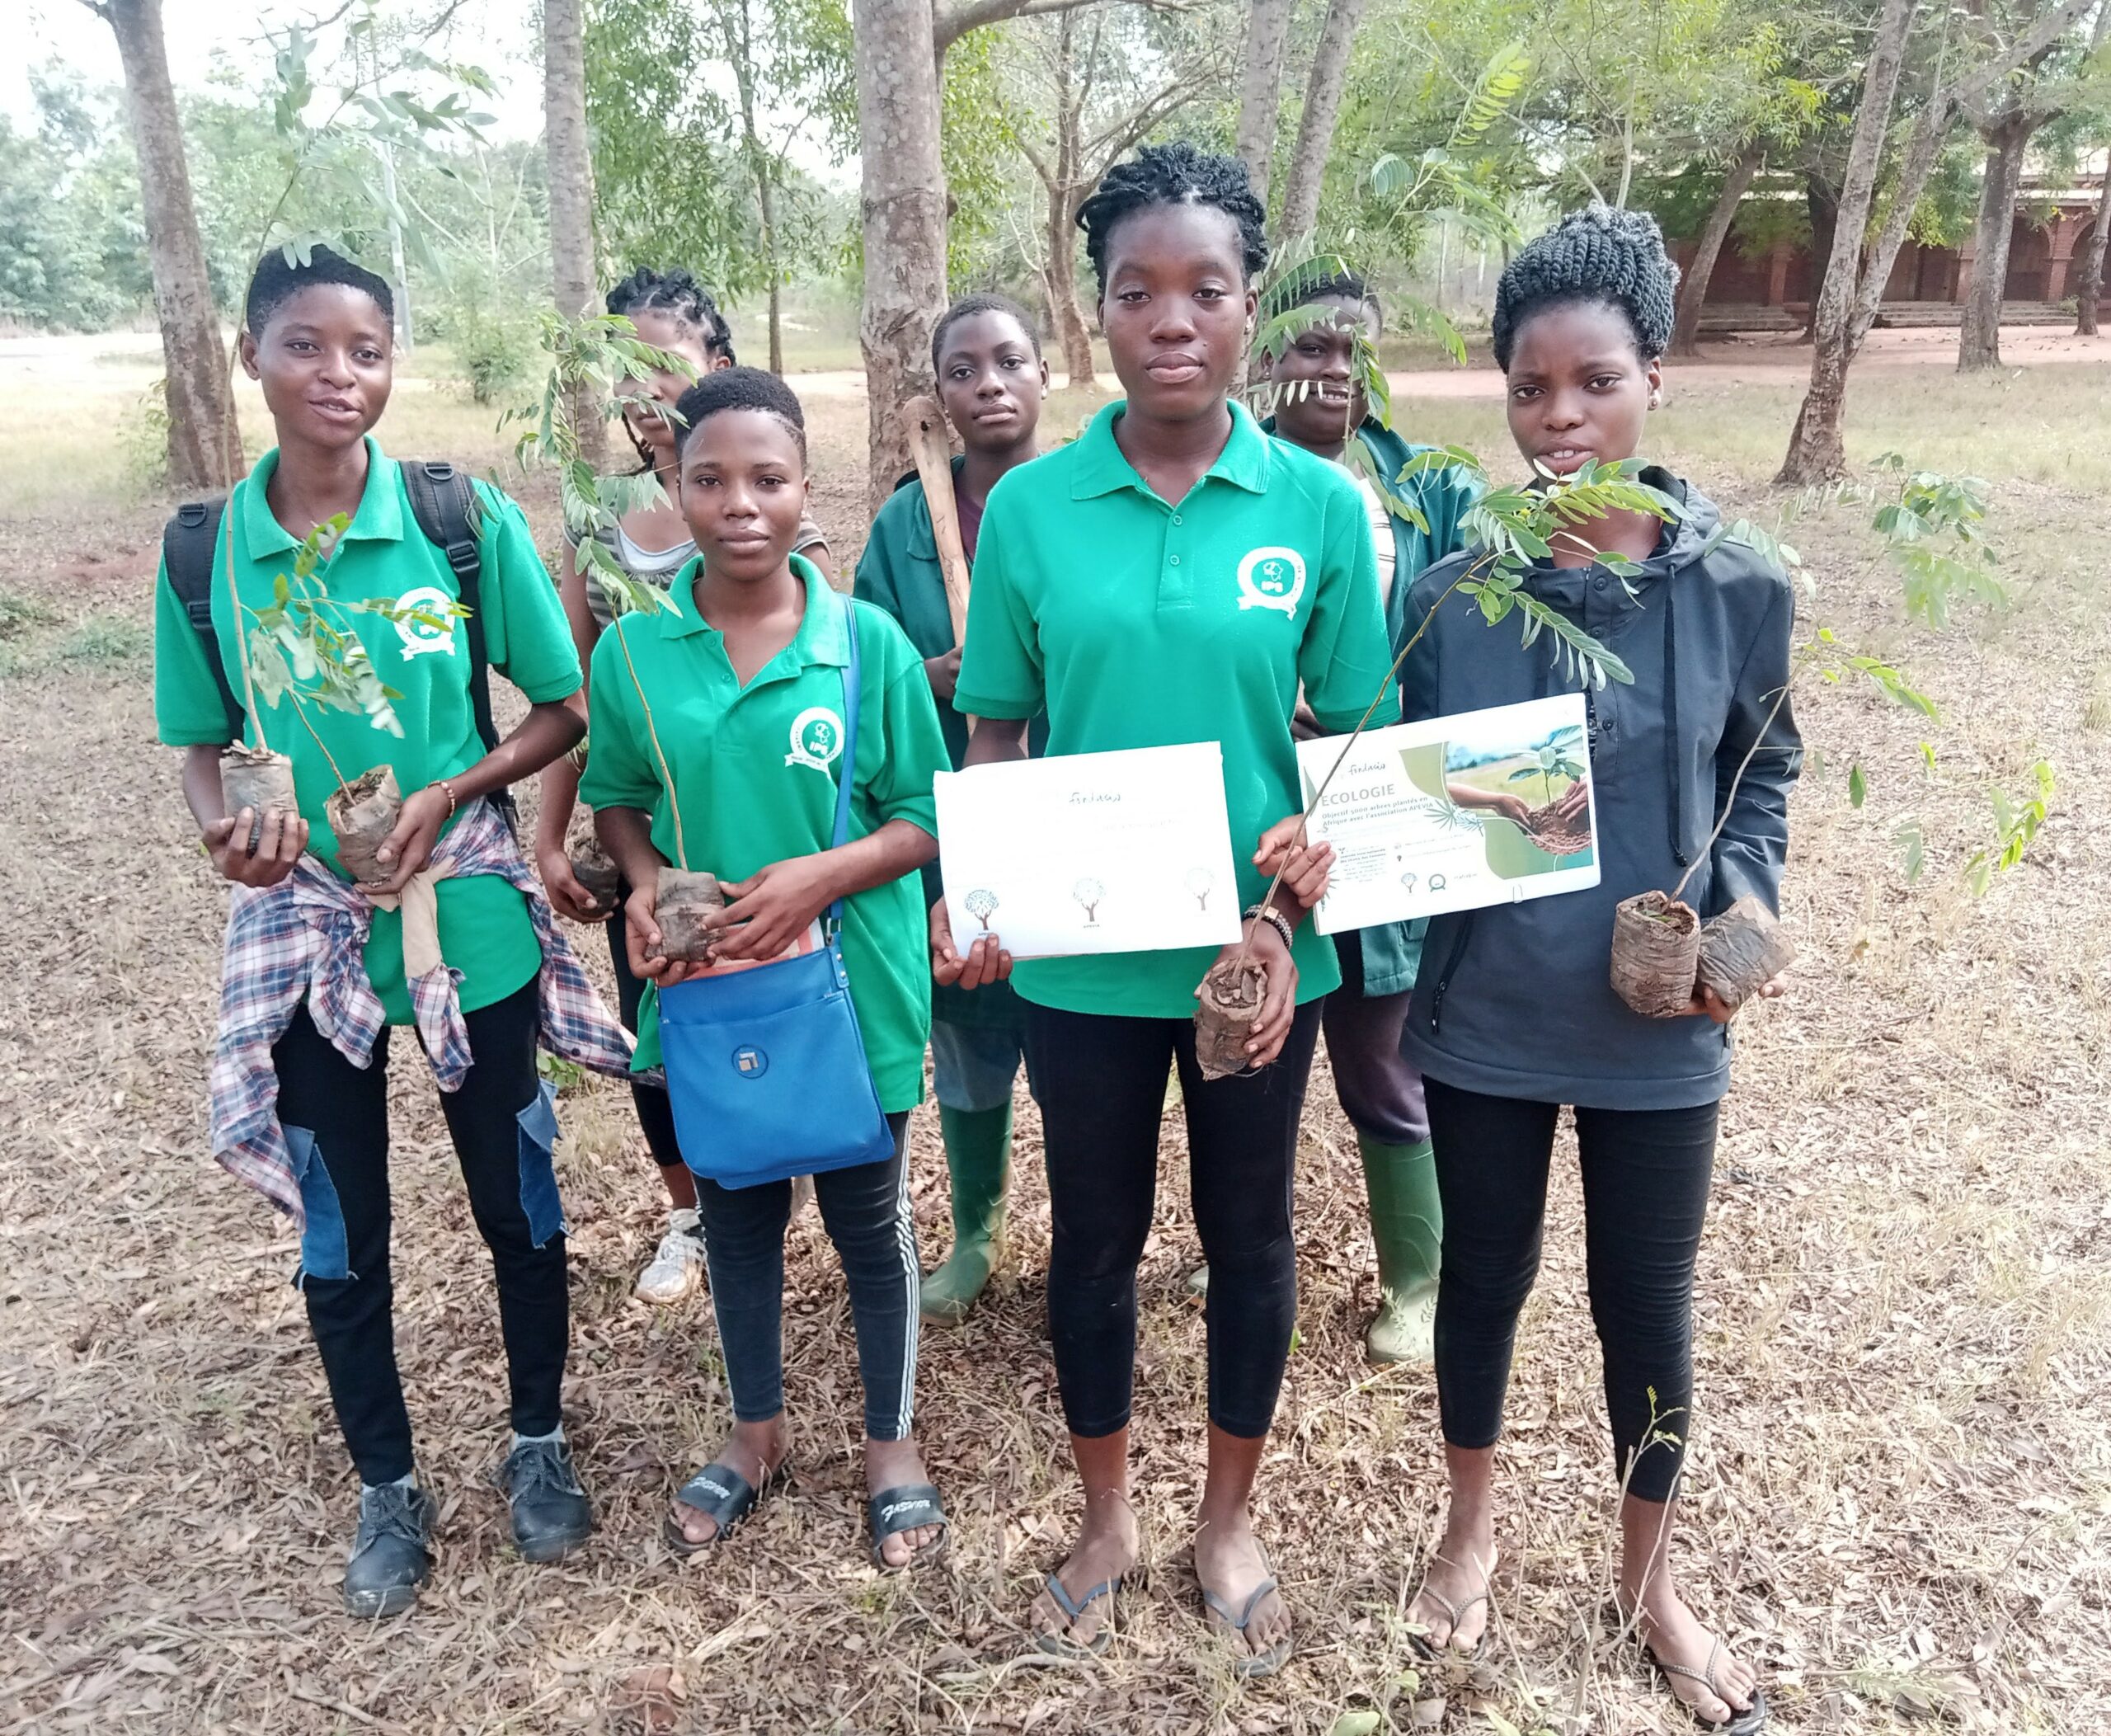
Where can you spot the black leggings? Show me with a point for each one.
(1645, 1196)
(336, 1120)
(656, 1115)
(1101, 1080)
(866, 1208)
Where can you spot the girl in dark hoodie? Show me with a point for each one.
(1513, 1013)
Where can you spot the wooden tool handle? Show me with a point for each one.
(929, 445)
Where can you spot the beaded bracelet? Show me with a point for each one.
(1273, 917)
(447, 789)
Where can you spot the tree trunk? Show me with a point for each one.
(1816, 451)
(1693, 289)
(739, 41)
(204, 441)
(1260, 91)
(1322, 107)
(570, 172)
(1979, 339)
(2090, 290)
(902, 212)
(1065, 310)
(1821, 202)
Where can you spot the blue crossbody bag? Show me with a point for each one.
(766, 1069)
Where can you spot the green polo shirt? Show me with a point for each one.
(1141, 624)
(754, 774)
(484, 930)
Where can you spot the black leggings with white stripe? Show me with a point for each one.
(866, 1208)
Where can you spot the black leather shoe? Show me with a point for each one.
(392, 1554)
(551, 1515)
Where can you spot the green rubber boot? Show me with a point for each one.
(1407, 1222)
(979, 1157)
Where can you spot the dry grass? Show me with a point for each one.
(1901, 1486)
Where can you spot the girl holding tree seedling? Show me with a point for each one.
(676, 315)
(690, 778)
(337, 636)
(1118, 584)
(992, 381)
(1315, 388)
(1513, 1013)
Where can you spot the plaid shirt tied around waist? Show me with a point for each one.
(304, 939)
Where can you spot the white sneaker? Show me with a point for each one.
(678, 1267)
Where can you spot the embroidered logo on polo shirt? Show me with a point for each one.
(816, 738)
(436, 631)
(1271, 578)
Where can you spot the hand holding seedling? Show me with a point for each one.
(766, 913)
(568, 897)
(641, 939)
(1263, 944)
(407, 850)
(1574, 800)
(1301, 867)
(985, 962)
(1495, 802)
(943, 673)
(279, 844)
(1707, 1000)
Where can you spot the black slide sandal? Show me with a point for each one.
(721, 1494)
(894, 1511)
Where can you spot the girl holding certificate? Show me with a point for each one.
(1171, 576)
(1513, 1013)
(816, 851)
(1320, 406)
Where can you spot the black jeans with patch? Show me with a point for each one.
(335, 1116)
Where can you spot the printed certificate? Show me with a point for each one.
(1485, 807)
(1127, 852)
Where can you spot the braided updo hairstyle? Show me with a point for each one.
(679, 295)
(1599, 256)
(1178, 173)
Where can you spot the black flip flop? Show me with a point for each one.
(894, 1511)
(722, 1494)
(1252, 1666)
(1750, 1722)
(1062, 1645)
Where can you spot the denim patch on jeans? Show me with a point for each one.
(538, 1180)
(322, 1251)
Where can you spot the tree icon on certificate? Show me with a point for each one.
(1202, 882)
(1088, 893)
(981, 905)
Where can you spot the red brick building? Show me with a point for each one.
(1927, 285)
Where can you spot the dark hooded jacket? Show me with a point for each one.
(1516, 1000)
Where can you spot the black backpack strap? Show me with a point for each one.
(445, 507)
(187, 543)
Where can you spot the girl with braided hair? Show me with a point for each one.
(672, 312)
(1170, 576)
(1513, 1013)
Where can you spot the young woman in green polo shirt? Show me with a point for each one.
(317, 338)
(1115, 584)
(992, 381)
(672, 312)
(1318, 404)
(705, 697)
